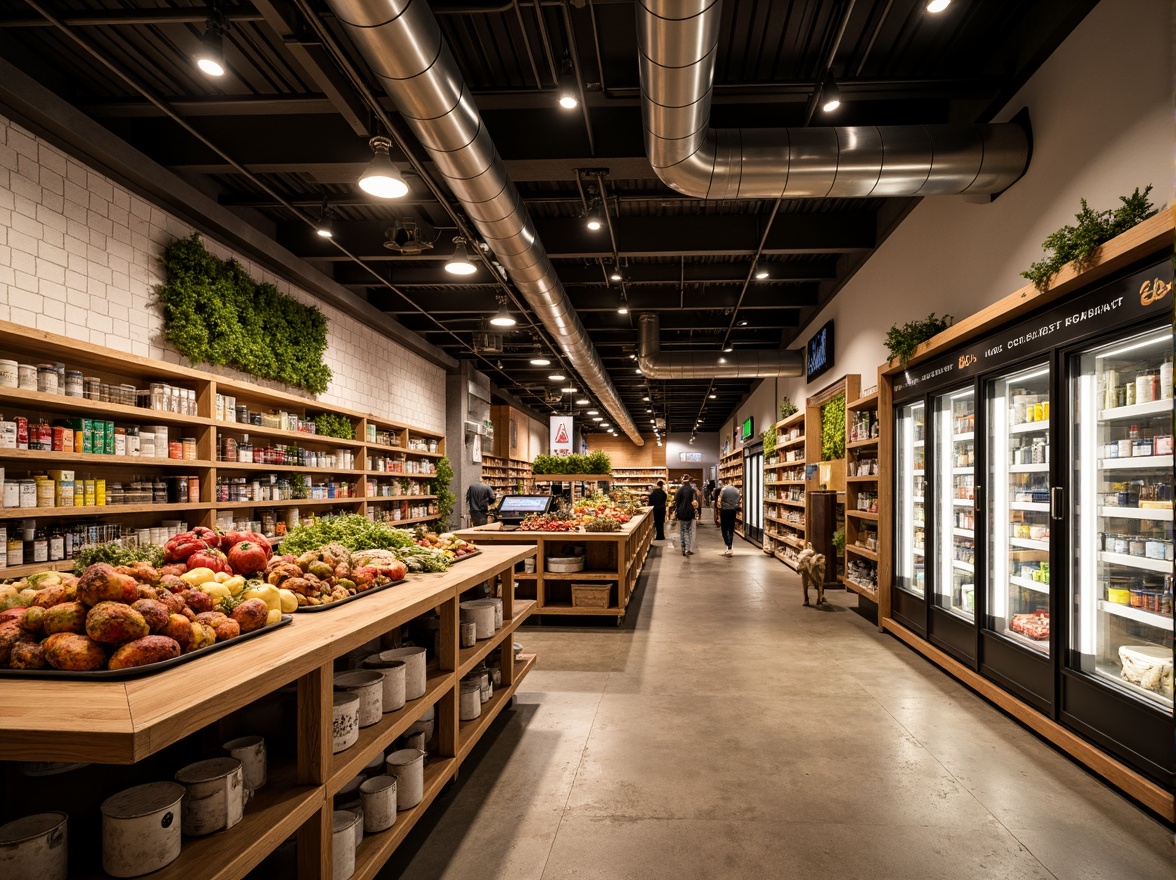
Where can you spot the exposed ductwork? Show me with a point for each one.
(403, 45)
(656, 364)
(677, 42)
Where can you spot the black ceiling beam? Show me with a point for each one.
(566, 238)
(153, 17)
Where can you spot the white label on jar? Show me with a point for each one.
(1154, 550)
(28, 493)
(15, 552)
(7, 435)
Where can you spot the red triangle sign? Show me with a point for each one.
(561, 435)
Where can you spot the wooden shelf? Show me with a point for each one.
(566, 608)
(82, 407)
(16, 571)
(468, 658)
(283, 468)
(862, 552)
(469, 732)
(859, 444)
(861, 514)
(295, 437)
(859, 588)
(107, 510)
(580, 576)
(42, 458)
(289, 502)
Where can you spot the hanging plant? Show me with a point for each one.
(787, 408)
(443, 488)
(833, 429)
(1078, 243)
(215, 313)
(902, 341)
(770, 440)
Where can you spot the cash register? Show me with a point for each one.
(513, 509)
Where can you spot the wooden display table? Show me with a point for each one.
(125, 722)
(610, 558)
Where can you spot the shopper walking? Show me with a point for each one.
(685, 510)
(479, 497)
(657, 500)
(729, 503)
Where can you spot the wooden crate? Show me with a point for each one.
(590, 595)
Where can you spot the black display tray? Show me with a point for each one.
(138, 671)
(329, 605)
(458, 559)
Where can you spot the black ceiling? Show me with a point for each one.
(289, 123)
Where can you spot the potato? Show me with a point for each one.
(197, 601)
(179, 630)
(14, 615)
(203, 636)
(34, 620)
(154, 612)
(226, 629)
(115, 623)
(273, 617)
(140, 652)
(147, 592)
(11, 634)
(74, 652)
(27, 655)
(172, 583)
(212, 618)
(101, 583)
(173, 603)
(68, 617)
(49, 596)
(251, 614)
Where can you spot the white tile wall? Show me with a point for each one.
(79, 256)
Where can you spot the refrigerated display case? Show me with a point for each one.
(955, 512)
(909, 495)
(1121, 523)
(1018, 594)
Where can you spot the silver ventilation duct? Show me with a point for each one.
(656, 364)
(677, 41)
(403, 45)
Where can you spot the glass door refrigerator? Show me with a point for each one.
(953, 464)
(908, 602)
(1016, 633)
(1117, 680)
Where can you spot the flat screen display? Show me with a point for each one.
(747, 429)
(819, 352)
(521, 505)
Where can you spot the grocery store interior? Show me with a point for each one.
(335, 403)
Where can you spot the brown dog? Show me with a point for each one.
(811, 566)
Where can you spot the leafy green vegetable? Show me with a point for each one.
(214, 312)
(117, 553)
(334, 425)
(1078, 243)
(352, 530)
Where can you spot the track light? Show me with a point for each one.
(569, 97)
(830, 95)
(594, 219)
(503, 318)
(324, 228)
(210, 58)
(938, 5)
(381, 178)
(459, 263)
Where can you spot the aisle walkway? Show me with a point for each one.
(728, 732)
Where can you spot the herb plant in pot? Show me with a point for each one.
(902, 341)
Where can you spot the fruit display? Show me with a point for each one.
(602, 524)
(126, 616)
(327, 575)
(551, 522)
(598, 506)
(244, 553)
(446, 543)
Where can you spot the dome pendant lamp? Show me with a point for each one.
(381, 178)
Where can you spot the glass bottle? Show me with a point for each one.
(245, 450)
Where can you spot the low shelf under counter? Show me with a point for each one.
(610, 558)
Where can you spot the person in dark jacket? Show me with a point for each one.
(657, 500)
(479, 497)
(685, 510)
(729, 503)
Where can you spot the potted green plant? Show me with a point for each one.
(787, 408)
(839, 541)
(902, 341)
(770, 440)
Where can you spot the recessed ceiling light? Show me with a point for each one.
(938, 5)
(557, 377)
(653, 421)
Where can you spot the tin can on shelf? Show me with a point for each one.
(26, 377)
(9, 374)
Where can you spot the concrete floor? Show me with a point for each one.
(727, 731)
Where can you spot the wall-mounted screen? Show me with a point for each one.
(747, 430)
(819, 352)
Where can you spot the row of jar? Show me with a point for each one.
(230, 449)
(65, 488)
(94, 437)
(30, 543)
(400, 465)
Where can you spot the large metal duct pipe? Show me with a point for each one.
(402, 43)
(677, 41)
(657, 364)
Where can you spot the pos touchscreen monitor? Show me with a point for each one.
(514, 509)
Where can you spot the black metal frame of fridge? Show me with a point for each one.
(1140, 735)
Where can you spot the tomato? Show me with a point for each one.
(209, 558)
(247, 557)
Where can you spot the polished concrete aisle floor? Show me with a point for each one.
(727, 731)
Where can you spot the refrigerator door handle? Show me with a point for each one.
(1056, 503)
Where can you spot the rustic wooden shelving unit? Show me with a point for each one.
(360, 487)
(862, 502)
(785, 506)
(133, 721)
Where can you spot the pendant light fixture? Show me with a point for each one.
(325, 227)
(938, 5)
(459, 263)
(503, 318)
(594, 219)
(830, 95)
(538, 358)
(569, 98)
(623, 308)
(615, 275)
(210, 58)
(381, 178)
